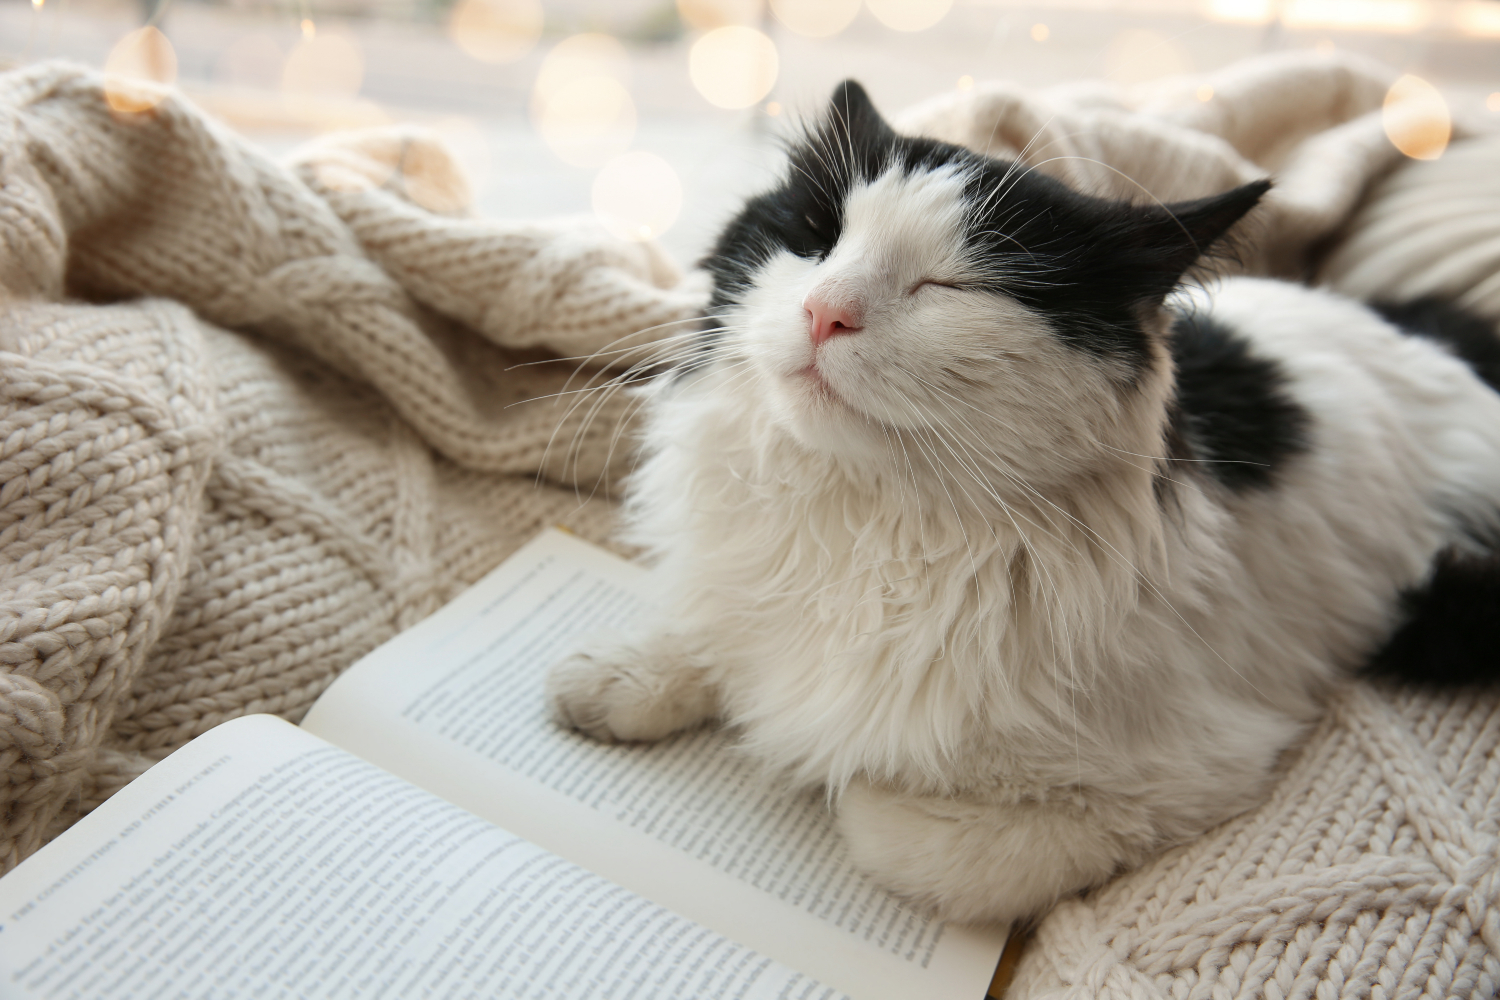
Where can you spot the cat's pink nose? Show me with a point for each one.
(827, 320)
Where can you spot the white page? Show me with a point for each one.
(260, 861)
(456, 704)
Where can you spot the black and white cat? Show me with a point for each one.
(1034, 573)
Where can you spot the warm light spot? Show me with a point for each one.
(1136, 55)
(496, 31)
(773, 109)
(308, 28)
(1239, 11)
(909, 15)
(1356, 15)
(252, 60)
(581, 103)
(966, 82)
(815, 18)
(1493, 101)
(588, 120)
(1480, 18)
(1204, 93)
(637, 196)
(468, 147)
(1416, 118)
(590, 54)
(706, 15)
(327, 65)
(138, 70)
(733, 67)
(37, 4)
(1040, 33)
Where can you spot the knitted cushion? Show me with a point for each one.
(1430, 228)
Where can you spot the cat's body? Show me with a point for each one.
(1029, 595)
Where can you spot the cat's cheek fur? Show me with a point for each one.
(779, 352)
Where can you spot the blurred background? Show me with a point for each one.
(659, 115)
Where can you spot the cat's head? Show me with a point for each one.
(893, 286)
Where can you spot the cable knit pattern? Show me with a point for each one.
(196, 524)
(1371, 872)
(256, 418)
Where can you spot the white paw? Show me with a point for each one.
(631, 691)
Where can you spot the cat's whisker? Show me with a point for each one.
(609, 348)
(646, 368)
(603, 395)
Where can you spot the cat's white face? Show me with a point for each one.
(966, 375)
(902, 300)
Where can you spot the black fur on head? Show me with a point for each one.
(1091, 265)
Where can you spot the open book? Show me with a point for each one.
(427, 832)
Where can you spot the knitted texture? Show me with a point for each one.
(196, 524)
(1430, 228)
(1373, 869)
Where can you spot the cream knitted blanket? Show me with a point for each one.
(254, 418)
(195, 523)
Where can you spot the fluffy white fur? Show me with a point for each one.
(924, 564)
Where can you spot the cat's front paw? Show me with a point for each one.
(631, 691)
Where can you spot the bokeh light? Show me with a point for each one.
(496, 31)
(587, 120)
(1355, 15)
(815, 18)
(966, 82)
(1479, 18)
(706, 15)
(138, 69)
(1493, 101)
(325, 65)
(1417, 119)
(733, 67)
(1204, 93)
(1136, 55)
(909, 15)
(589, 54)
(1040, 33)
(637, 196)
(469, 146)
(581, 102)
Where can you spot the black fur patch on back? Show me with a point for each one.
(1472, 338)
(1233, 418)
(1092, 266)
(1451, 632)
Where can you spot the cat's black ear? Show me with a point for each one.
(851, 115)
(1179, 234)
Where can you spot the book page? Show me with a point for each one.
(260, 861)
(456, 705)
